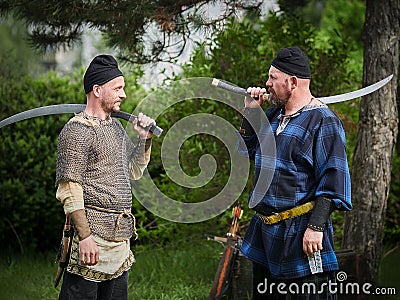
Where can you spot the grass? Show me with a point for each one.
(27, 277)
(184, 271)
(389, 271)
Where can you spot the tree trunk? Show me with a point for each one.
(364, 226)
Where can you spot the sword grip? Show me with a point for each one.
(231, 88)
(228, 87)
(157, 131)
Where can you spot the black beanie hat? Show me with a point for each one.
(102, 69)
(292, 61)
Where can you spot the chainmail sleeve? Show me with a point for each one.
(74, 143)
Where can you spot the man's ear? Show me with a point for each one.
(96, 90)
(294, 82)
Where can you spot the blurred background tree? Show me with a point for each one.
(17, 58)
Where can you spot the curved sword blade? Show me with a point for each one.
(355, 94)
(330, 99)
(43, 111)
(65, 109)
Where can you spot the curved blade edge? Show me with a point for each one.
(355, 94)
(43, 111)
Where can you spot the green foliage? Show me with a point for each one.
(242, 54)
(344, 18)
(151, 228)
(29, 212)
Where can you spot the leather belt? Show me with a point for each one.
(286, 214)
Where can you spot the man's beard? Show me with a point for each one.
(275, 101)
(109, 107)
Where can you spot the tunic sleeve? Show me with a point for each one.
(70, 194)
(330, 163)
(140, 159)
(247, 145)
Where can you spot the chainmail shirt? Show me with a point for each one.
(102, 158)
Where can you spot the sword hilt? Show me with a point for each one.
(157, 131)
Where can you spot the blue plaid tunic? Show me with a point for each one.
(310, 161)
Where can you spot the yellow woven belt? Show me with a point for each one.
(287, 214)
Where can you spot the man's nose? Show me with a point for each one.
(122, 94)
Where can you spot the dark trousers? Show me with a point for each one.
(75, 287)
(265, 286)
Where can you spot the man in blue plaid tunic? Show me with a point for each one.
(310, 180)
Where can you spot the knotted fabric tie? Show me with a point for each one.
(121, 214)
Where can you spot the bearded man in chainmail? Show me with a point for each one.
(95, 162)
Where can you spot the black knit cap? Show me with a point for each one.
(292, 61)
(102, 69)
